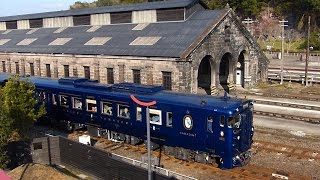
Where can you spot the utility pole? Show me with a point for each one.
(308, 51)
(282, 49)
(248, 21)
(146, 104)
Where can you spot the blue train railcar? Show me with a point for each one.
(190, 127)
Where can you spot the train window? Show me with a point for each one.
(64, 101)
(54, 100)
(222, 121)
(155, 116)
(231, 122)
(91, 105)
(237, 121)
(107, 108)
(139, 114)
(41, 95)
(210, 124)
(169, 119)
(77, 103)
(123, 111)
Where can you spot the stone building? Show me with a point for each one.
(179, 44)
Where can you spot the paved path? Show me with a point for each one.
(287, 125)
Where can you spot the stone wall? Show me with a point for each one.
(150, 68)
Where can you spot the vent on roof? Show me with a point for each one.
(7, 31)
(81, 20)
(145, 41)
(140, 27)
(32, 31)
(60, 30)
(4, 41)
(60, 41)
(120, 17)
(93, 28)
(97, 41)
(26, 42)
(137, 88)
(11, 25)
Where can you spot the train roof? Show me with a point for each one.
(142, 92)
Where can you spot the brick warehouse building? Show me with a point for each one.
(179, 44)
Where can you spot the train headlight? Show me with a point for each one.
(252, 129)
(238, 137)
(221, 133)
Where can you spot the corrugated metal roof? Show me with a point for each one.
(176, 37)
(106, 9)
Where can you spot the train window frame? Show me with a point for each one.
(67, 100)
(54, 100)
(168, 119)
(103, 110)
(155, 112)
(91, 101)
(120, 113)
(210, 121)
(139, 110)
(73, 103)
(222, 121)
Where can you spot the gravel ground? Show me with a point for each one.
(37, 172)
(283, 163)
(280, 162)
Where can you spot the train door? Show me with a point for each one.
(210, 140)
(219, 135)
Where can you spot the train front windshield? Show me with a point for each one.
(242, 126)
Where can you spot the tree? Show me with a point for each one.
(18, 113)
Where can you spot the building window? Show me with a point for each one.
(31, 69)
(86, 72)
(17, 68)
(37, 146)
(136, 76)
(48, 71)
(166, 80)
(3, 66)
(110, 77)
(66, 71)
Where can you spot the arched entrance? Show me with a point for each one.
(240, 70)
(224, 70)
(206, 76)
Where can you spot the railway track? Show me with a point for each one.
(289, 151)
(294, 116)
(287, 96)
(289, 117)
(250, 172)
(284, 104)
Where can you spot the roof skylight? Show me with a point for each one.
(60, 41)
(93, 28)
(32, 31)
(26, 42)
(60, 30)
(97, 41)
(4, 41)
(140, 27)
(145, 41)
